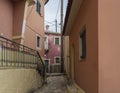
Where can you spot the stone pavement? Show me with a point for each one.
(55, 84)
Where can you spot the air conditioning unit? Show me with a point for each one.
(32, 2)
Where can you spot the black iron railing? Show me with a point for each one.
(14, 55)
(41, 67)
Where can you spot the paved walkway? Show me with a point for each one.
(55, 84)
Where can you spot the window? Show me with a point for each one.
(38, 7)
(57, 59)
(38, 42)
(57, 41)
(83, 44)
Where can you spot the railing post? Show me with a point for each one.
(2, 54)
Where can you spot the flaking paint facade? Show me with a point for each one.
(53, 50)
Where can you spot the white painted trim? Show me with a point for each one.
(46, 43)
(24, 20)
(23, 26)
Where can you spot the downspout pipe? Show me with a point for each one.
(24, 21)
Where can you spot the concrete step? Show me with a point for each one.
(74, 88)
(55, 74)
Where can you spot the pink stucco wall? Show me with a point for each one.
(86, 71)
(19, 7)
(109, 46)
(6, 18)
(54, 50)
(12, 17)
(34, 27)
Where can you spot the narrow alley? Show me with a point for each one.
(59, 46)
(55, 84)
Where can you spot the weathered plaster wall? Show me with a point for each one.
(19, 80)
(54, 50)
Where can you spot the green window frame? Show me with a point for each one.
(57, 40)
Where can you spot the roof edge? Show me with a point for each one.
(46, 1)
(48, 32)
(67, 15)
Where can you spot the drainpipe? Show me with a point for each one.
(24, 21)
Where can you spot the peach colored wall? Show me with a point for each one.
(6, 18)
(86, 72)
(35, 25)
(109, 46)
(66, 54)
(19, 7)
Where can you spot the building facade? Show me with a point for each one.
(23, 22)
(93, 30)
(21, 67)
(53, 52)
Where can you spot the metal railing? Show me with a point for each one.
(14, 55)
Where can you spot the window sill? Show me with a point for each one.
(38, 48)
(83, 60)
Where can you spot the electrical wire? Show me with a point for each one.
(51, 23)
(57, 9)
(30, 12)
(34, 31)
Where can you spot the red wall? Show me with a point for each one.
(54, 50)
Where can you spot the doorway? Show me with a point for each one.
(47, 65)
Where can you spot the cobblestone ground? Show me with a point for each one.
(55, 84)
